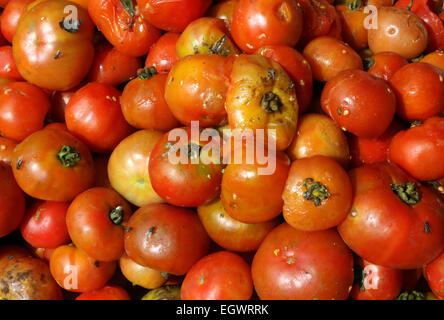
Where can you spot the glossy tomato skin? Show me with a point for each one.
(133, 37)
(259, 23)
(354, 31)
(163, 54)
(419, 150)
(384, 229)
(218, 276)
(44, 225)
(298, 265)
(166, 238)
(23, 108)
(106, 293)
(62, 58)
(172, 15)
(7, 64)
(96, 220)
(434, 273)
(143, 276)
(11, 16)
(419, 89)
(84, 117)
(38, 163)
(75, 271)
(7, 146)
(12, 199)
(385, 64)
(359, 102)
(223, 10)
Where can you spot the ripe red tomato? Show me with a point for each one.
(354, 31)
(163, 54)
(434, 274)
(218, 276)
(11, 16)
(7, 146)
(44, 225)
(8, 67)
(385, 64)
(106, 293)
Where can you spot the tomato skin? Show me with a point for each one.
(434, 273)
(177, 231)
(218, 276)
(115, 23)
(11, 15)
(62, 59)
(7, 64)
(140, 275)
(419, 150)
(23, 108)
(44, 225)
(435, 58)
(223, 10)
(9, 252)
(13, 203)
(353, 30)
(319, 261)
(164, 14)
(6, 148)
(163, 54)
(106, 293)
(381, 228)
(259, 23)
(419, 89)
(385, 64)
(359, 102)
(75, 271)
(84, 117)
(40, 173)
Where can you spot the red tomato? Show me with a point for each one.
(385, 64)
(434, 273)
(44, 225)
(11, 15)
(7, 64)
(6, 148)
(106, 293)
(163, 54)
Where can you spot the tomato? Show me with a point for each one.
(223, 10)
(262, 96)
(106, 293)
(163, 54)
(394, 222)
(12, 202)
(317, 194)
(6, 148)
(399, 31)
(166, 238)
(44, 225)
(329, 56)
(435, 58)
(296, 67)
(63, 55)
(419, 89)
(419, 150)
(52, 165)
(4, 80)
(434, 273)
(112, 67)
(123, 26)
(7, 64)
(353, 18)
(229, 233)
(185, 170)
(9, 252)
(317, 134)
(11, 15)
(140, 275)
(373, 282)
(299, 265)
(385, 64)
(218, 276)
(43, 253)
(359, 102)
(373, 150)
(143, 102)
(257, 23)
(23, 108)
(75, 271)
(172, 15)
(84, 117)
(196, 89)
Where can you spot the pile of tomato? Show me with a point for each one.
(98, 96)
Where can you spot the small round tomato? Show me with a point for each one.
(12, 201)
(399, 31)
(257, 23)
(229, 233)
(163, 54)
(143, 102)
(75, 271)
(359, 102)
(419, 89)
(317, 134)
(7, 146)
(419, 150)
(166, 238)
(317, 194)
(106, 293)
(123, 26)
(435, 58)
(44, 225)
(96, 220)
(385, 64)
(85, 116)
(11, 16)
(141, 275)
(434, 274)
(353, 19)
(53, 165)
(223, 10)
(8, 67)
(297, 265)
(218, 276)
(329, 56)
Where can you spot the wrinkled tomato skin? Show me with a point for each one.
(8, 67)
(385, 64)
(299, 265)
(434, 273)
(7, 146)
(383, 229)
(11, 16)
(218, 276)
(419, 150)
(163, 54)
(106, 293)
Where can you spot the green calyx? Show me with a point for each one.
(315, 191)
(68, 156)
(116, 215)
(414, 295)
(407, 192)
(147, 73)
